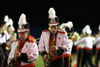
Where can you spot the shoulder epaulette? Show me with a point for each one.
(31, 39)
(61, 32)
(45, 30)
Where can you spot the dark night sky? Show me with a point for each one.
(37, 13)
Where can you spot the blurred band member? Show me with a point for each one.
(67, 27)
(97, 43)
(4, 37)
(87, 41)
(24, 52)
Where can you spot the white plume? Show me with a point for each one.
(52, 13)
(63, 25)
(10, 22)
(22, 19)
(70, 24)
(87, 29)
(83, 30)
(6, 18)
(87, 26)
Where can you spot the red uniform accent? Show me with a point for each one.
(29, 65)
(75, 65)
(56, 57)
(54, 23)
(50, 40)
(76, 47)
(61, 32)
(31, 38)
(86, 48)
(21, 45)
(45, 30)
(97, 48)
(67, 55)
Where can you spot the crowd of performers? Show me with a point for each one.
(7, 37)
(55, 44)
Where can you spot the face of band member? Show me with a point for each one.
(23, 35)
(54, 29)
(3, 27)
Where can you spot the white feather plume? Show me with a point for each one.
(63, 25)
(6, 18)
(87, 29)
(83, 30)
(70, 24)
(87, 26)
(52, 13)
(22, 19)
(10, 22)
(7, 24)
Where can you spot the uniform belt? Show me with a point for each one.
(29, 65)
(81, 48)
(86, 48)
(97, 48)
(66, 55)
(56, 57)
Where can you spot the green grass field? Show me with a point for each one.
(40, 63)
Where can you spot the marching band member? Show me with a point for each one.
(97, 43)
(52, 42)
(79, 52)
(24, 52)
(3, 40)
(11, 32)
(67, 27)
(87, 41)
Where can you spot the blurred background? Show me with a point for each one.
(80, 13)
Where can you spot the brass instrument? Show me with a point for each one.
(75, 36)
(10, 41)
(13, 61)
(51, 53)
(37, 40)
